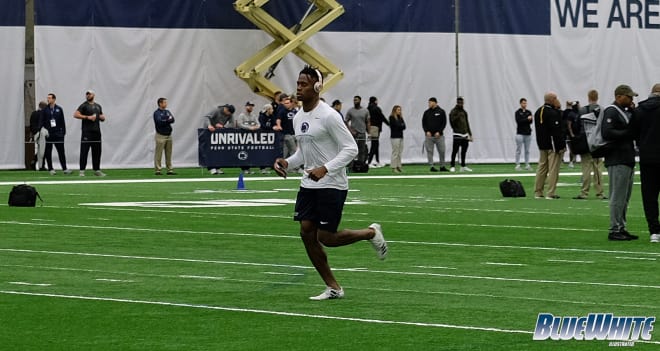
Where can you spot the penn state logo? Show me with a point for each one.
(304, 127)
(243, 155)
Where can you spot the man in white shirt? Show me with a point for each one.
(325, 147)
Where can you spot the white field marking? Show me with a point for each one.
(150, 230)
(281, 273)
(388, 290)
(512, 247)
(233, 191)
(114, 280)
(293, 177)
(357, 269)
(434, 267)
(297, 237)
(204, 203)
(200, 277)
(522, 280)
(256, 264)
(30, 284)
(569, 261)
(277, 313)
(504, 264)
(636, 258)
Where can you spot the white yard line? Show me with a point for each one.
(269, 312)
(384, 290)
(257, 264)
(30, 284)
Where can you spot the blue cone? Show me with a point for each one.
(241, 184)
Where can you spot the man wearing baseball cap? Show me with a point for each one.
(619, 159)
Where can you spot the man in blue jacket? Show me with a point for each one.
(163, 120)
(52, 118)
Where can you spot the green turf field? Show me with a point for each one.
(133, 261)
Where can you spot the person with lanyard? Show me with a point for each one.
(52, 118)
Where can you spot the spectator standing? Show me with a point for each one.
(38, 137)
(218, 118)
(434, 122)
(376, 120)
(91, 114)
(646, 125)
(524, 120)
(590, 165)
(397, 126)
(163, 120)
(462, 136)
(571, 117)
(620, 160)
(357, 120)
(52, 118)
(551, 142)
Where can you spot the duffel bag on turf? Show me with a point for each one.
(23, 195)
(512, 188)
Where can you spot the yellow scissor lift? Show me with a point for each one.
(258, 69)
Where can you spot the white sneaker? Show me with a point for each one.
(655, 238)
(53, 172)
(571, 165)
(329, 294)
(214, 171)
(378, 241)
(452, 169)
(528, 167)
(82, 173)
(99, 174)
(66, 171)
(265, 171)
(466, 169)
(518, 168)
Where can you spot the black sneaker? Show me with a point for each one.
(631, 236)
(444, 169)
(619, 236)
(433, 169)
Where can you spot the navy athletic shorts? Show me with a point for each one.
(321, 206)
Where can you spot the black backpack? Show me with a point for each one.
(23, 196)
(512, 188)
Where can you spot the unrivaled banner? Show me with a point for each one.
(238, 148)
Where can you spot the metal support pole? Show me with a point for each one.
(457, 13)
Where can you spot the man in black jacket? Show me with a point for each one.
(619, 159)
(377, 118)
(551, 140)
(434, 122)
(646, 126)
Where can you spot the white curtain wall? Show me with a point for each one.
(12, 60)
(131, 67)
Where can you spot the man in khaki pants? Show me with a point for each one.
(551, 141)
(589, 164)
(163, 120)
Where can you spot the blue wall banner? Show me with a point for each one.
(237, 148)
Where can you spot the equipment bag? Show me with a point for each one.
(593, 128)
(359, 167)
(512, 188)
(23, 196)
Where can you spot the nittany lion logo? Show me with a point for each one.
(305, 127)
(243, 155)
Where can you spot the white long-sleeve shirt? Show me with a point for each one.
(323, 140)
